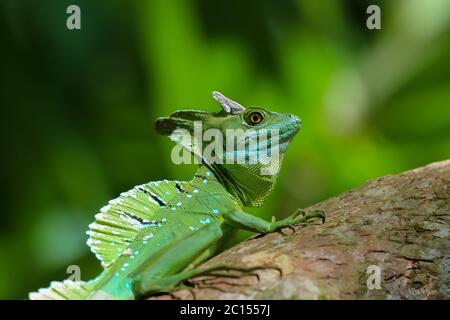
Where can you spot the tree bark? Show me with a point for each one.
(397, 223)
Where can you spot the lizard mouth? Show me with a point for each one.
(291, 129)
(289, 132)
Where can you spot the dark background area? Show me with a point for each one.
(77, 107)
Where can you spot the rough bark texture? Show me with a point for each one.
(400, 223)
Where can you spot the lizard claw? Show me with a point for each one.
(311, 215)
(299, 212)
(316, 214)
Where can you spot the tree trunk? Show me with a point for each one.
(396, 227)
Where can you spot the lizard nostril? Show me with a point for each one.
(295, 118)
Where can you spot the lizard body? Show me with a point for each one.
(151, 238)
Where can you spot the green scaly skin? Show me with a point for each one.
(151, 238)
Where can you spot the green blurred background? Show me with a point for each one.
(77, 107)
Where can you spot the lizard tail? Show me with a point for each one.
(65, 290)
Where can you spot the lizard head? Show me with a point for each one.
(244, 147)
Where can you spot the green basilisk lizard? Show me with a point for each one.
(152, 238)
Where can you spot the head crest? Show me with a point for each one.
(228, 105)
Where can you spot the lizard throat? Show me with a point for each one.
(245, 182)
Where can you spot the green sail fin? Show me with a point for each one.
(65, 290)
(119, 222)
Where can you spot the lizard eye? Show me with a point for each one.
(254, 117)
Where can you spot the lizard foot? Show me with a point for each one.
(309, 215)
(298, 217)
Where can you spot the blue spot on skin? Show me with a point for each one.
(189, 195)
(132, 257)
(123, 269)
(173, 208)
(195, 191)
(205, 221)
(128, 286)
(126, 264)
(192, 228)
(179, 204)
(205, 181)
(117, 274)
(164, 220)
(208, 173)
(136, 252)
(144, 242)
(215, 211)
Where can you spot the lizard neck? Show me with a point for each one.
(225, 181)
(244, 182)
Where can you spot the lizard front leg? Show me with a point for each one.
(249, 222)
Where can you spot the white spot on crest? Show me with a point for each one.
(205, 221)
(114, 201)
(105, 208)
